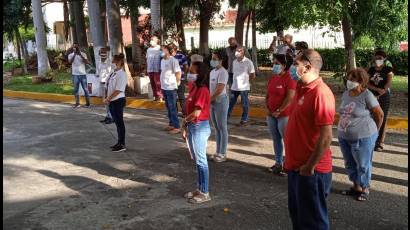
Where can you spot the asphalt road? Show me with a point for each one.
(58, 173)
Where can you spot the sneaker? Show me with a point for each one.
(119, 148)
(174, 131)
(76, 106)
(109, 121)
(276, 169)
(200, 198)
(87, 106)
(243, 123)
(114, 146)
(220, 158)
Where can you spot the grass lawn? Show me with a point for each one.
(61, 84)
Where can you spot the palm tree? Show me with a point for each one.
(41, 42)
(96, 28)
(155, 7)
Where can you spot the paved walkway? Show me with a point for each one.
(59, 174)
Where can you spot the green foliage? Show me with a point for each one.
(60, 84)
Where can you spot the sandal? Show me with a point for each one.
(200, 198)
(189, 195)
(362, 196)
(350, 192)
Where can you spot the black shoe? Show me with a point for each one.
(119, 148)
(104, 121)
(109, 121)
(114, 146)
(87, 106)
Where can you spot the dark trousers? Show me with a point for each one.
(117, 113)
(230, 79)
(384, 102)
(307, 200)
(181, 97)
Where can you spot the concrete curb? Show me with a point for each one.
(254, 112)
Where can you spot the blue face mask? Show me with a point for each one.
(294, 73)
(214, 63)
(277, 69)
(161, 54)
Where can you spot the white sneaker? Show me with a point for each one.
(220, 158)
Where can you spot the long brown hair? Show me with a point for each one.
(203, 74)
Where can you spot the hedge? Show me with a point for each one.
(333, 59)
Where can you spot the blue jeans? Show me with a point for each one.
(170, 97)
(245, 103)
(117, 112)
(358, 155)
(77, 80)
(198, 134)
(277, 128)
(307, 200)
(219, 115)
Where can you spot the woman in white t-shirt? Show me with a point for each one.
(115, 88)
(219, 105)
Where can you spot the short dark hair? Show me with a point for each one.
(203, 74)
(173, 47)
(380, 53)
(119, 58)
(285, 60)
(301, 45)
(361, 75)
(311, 56)
(218, 54)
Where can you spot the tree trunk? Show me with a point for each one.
(18, 48)
(241, 15)
(155, 7)
(103, 16)
(23, 52)
(247, 32)
(136, 49)
(96, 29)
(40, 33)
(80, 24)
(204, 34)
(254, 48)
(74, 37)
(179, 17)
(115, 38)
(348, 39)
(66, 20)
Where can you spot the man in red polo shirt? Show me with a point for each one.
(307, 144)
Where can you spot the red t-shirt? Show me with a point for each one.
(313, 106)
(278, 87)
(199, 97)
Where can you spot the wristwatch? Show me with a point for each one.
(278, 110)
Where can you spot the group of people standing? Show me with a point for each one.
(300, 115)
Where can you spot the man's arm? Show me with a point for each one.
(325, 139)
(70, 60)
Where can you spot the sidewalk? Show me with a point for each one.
(58, 173)
(254, 112)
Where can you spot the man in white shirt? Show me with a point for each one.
(243, 71)
(170, 79)
(154, 67)
(104, 72)
(78, 59)
(286, 46)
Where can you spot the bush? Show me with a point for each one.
(333, 59)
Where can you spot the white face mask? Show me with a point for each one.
(379, 63)
(191, 76)
(237, 54)
(351, 85)
(153, 43)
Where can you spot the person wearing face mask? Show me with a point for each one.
(115, 98)
(357, 131)
(196, 130)
(243, 71)
(191, 78)
(170, 79)
(78, 59)
(103, 71)
(154, 67)
(230, 53)
(386, 62)
(183, 64)
(308, 136)
(219, 105)
(379, 84)
(279, 95)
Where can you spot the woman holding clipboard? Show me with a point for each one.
(196, 129)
